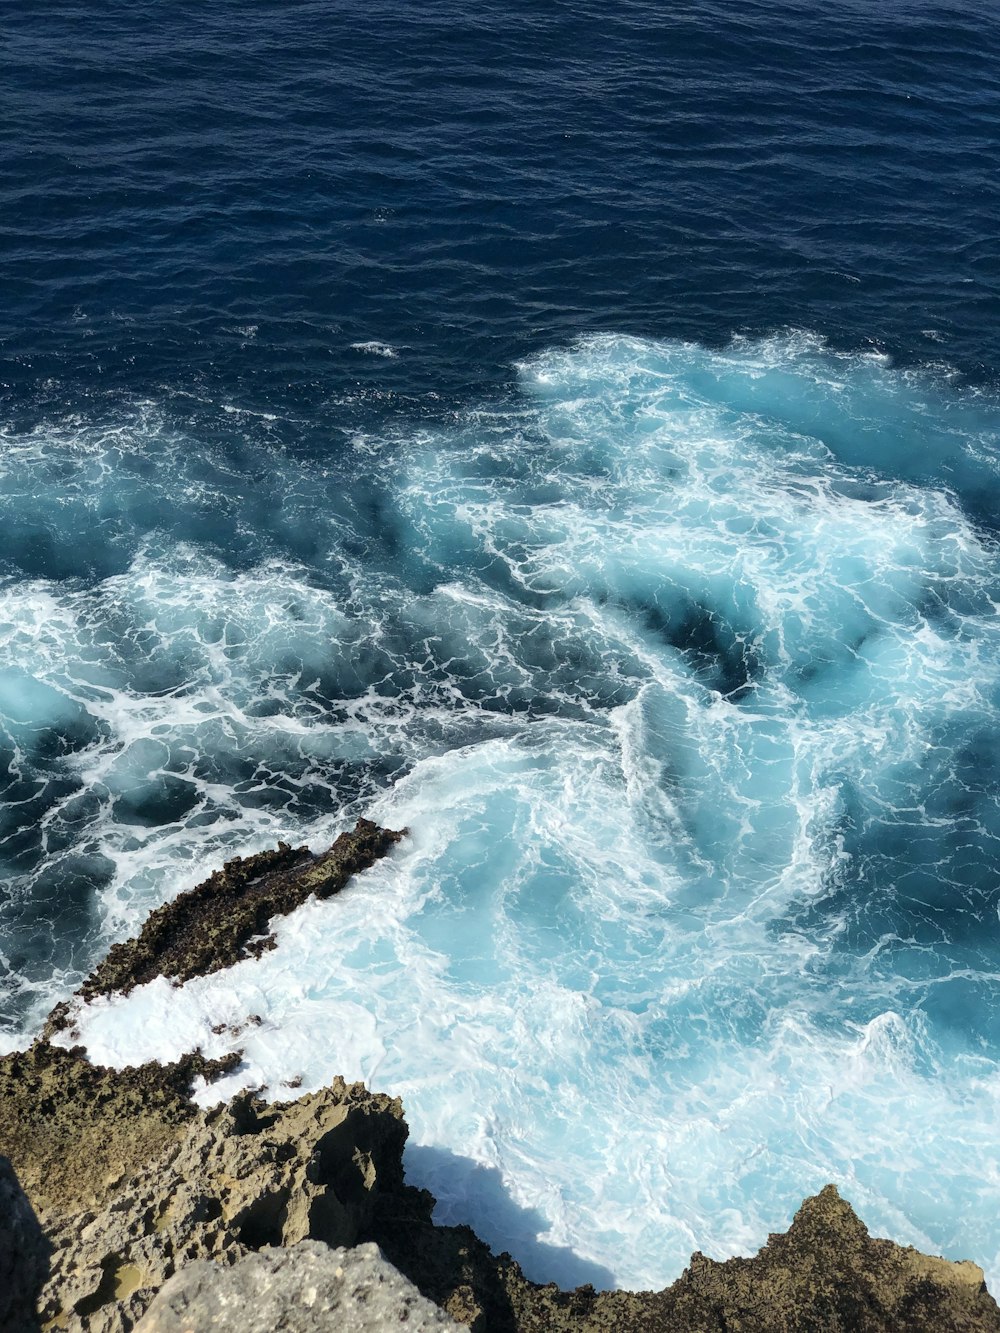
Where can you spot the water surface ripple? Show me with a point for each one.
(571, 431)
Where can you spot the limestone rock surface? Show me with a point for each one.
(243, 1176)
(155, 1182)
(309, 1288)
(222, 1184)
(72, 1128)
(827, 1273)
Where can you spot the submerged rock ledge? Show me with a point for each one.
(131, 1181)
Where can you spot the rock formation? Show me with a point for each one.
(824, 1275)
(72, 1129)
(307, 1289)
(218, 1185)
(228, 916)
(131, 1182)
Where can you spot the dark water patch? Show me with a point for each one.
(232, 217)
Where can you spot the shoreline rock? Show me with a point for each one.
(71, 1127)
(224, 1183)
(228, 916)
(233, 1180)
(131, 1181)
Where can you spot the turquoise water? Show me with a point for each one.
(573, 436)
(692, 715)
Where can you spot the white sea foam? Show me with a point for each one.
(517, 974)
(684, 676)
(374, 348)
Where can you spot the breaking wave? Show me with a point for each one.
(683, 670)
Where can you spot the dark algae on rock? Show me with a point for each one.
(130, 1181)
(227, 916)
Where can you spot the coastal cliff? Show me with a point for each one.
(126, 1181)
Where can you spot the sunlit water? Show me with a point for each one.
(681, 669)
(402, 413)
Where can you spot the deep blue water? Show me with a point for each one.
(572, 430)
(476, 182)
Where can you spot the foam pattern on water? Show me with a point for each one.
(683, 672)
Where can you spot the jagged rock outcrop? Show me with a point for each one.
(123, 1213)
(227, 917)
(827, 1273)
(131, 1181)
(243, 1176)
(307, 1289)
(24, 1254)
(193, 1184)
(824, 1275)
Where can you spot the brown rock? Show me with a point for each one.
(71, 1128)
(227, 917)
(152, 1183)
(824, 1275)
(827, 1273)
(131, 1181)
(230, 1181)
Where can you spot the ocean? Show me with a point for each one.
(571, 432)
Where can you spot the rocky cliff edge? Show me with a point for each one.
(130, 1183)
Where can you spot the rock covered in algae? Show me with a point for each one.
(227, 917)
(309, 1288)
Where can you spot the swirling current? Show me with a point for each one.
(693, 715)
(548, 433)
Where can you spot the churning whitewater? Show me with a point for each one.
(683, 670)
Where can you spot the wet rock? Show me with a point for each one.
(309, 1288)
(227, 917)
(23, 1255)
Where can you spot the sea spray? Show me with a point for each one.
(683, 671)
